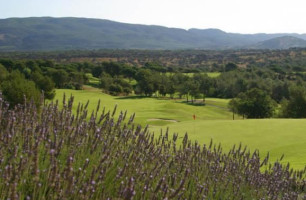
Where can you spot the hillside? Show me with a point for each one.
(283, 42)
(46, 33)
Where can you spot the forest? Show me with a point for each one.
(274, 89)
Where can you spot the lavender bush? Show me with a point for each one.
(52, 153)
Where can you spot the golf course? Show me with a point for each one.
(213, 121)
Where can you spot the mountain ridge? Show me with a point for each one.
(281, 43)
(48, 33)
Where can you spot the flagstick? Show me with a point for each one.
(194, 117)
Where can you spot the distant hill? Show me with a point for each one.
(283, 42)
(46, 33)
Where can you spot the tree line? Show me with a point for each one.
(247, 87)
(20, 79)
(200, 60)
(256, 92)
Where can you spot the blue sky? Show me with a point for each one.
(242, 16)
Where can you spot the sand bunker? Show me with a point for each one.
(159, 119)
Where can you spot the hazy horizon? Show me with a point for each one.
(236, 16)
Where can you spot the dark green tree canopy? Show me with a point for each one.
(16, 88)
(295, 107)
(254, 103)
(3, 73)
(146, 81)
(230, 66)
(45, 84)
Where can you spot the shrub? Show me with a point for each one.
(115, 89)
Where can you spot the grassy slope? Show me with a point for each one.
(213, 74)
(147, 108)
(277, 136)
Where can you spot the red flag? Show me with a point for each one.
(194, 117)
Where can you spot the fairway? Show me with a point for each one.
(148, 110)
(277, 136)
(210, 74)
(213, 121)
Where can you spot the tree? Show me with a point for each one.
(233, 105)
(97, 71)
(112, 68)
(193, 88)
(7, 63)
(145, 81)
(280, 91)
(128, 72)
(179, 81)
(254, 103)
(116, 85)
(205, 83)
(60, 78)
(239, 86)
(105, 81)
(125, 86)
(77, 79)
(3, 73)
(16, 87)
(155, 67)
(230, 67)
(164, 84)
(295, 107)
(170, 89)
(115, 89)
(45, 84)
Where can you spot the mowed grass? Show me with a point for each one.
(148, 110)
(277, 136)
(213, 121)
(210, 74)
(93, 80)
(213, 74)
(223, 103)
